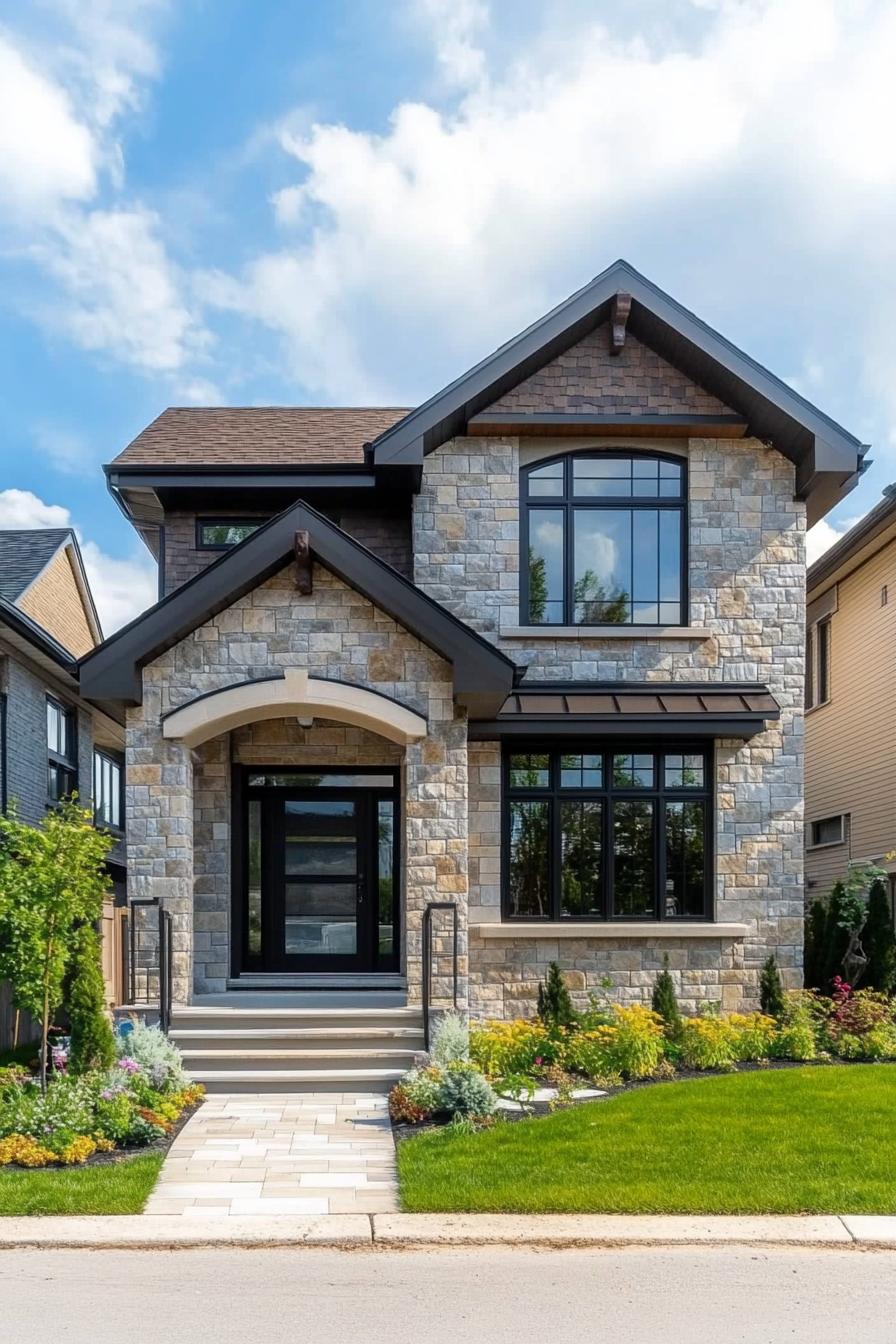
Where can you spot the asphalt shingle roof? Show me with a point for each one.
(24, 553)
(270, 436)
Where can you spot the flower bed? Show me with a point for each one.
(610, 1046)
(135, 1104)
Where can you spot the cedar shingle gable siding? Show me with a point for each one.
(54, 601)
(586, 377)
(267, 436)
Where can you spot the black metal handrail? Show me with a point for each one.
(166, 961)
(427, 960)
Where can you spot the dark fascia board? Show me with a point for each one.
(240, 474)
(865, 531)
(740, 727)
(587, 420)
(772, 409)
(482, 676)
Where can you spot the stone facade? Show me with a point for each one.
(636, 381)
(746, 575)
(178, 808)
(387, 534)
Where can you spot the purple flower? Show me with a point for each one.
(129, 1065)
(107, 1094)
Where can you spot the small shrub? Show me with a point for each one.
(154, 1055)
(637, 1046)
(879, 941)
(402, 1110)
(707, 1043)
(505, 1049)
(751, 1035)
(771, 990)
(794, 1040)
(451, 1040)
(92, 1041)
(423, 1088)
(465, 1091)
(664, 1001)
(25, 1151)
(554, 1004)
(590, 1053)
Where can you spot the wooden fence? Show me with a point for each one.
(113, 928)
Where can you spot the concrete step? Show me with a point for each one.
(310, 1080)
(187, 1038)
(285, 1019)
(297, 1061)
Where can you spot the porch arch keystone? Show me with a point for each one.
(295, 694)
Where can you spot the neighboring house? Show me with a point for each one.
(53, 743)
(534, 648)
(851, 702)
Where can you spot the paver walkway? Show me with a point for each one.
(281, 1154)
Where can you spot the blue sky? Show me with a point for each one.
(252, 202)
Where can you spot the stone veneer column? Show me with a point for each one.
(435, 854)
(159, 793)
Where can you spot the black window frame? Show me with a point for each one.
(608, 793)
(569, 503)
(57, 761)
(818, 663)
(242, 521)
(815, 843)
(116, 761)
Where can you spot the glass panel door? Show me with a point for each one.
(321, 877)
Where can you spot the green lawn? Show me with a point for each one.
(810, 1140)
(109, 1187)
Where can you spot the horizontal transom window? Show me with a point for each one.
(604, 540)
(219, 534)
(607, 833)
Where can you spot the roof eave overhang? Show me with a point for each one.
(113, 672)
(828, 455)
(737, 727)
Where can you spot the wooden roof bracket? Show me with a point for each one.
(622, 306)
(303, 563)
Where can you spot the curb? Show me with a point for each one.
(410, 1231)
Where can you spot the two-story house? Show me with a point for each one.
(533, 649)
(52, 742)
(851, 702)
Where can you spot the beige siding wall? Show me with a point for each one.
(851, 740)
(55, 602)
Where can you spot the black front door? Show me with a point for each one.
(320, 877)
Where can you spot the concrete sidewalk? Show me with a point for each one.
(416, 1231)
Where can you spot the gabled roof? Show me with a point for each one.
(26, 631)
(828, 458)
(483, 676)
(864, 539)
(25, 554)
(269, 436)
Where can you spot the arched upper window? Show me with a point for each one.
(603, 540)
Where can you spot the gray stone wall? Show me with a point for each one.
(747, 577)
(178, 836)
(385, 532)
(26, 687)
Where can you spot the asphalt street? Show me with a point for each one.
(682, 1295)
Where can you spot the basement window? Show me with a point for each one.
(826, 831)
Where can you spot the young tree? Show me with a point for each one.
(554, 1004)
(52, 878)
(664, 1001)
(814, 945)
(771, 990)
(836, 938)
(879, 941)
(93, 1044)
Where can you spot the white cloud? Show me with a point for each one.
(46, 154)
(22, 509)
(458, 224)
(121, 588)
(122, 291)
(114, 288)
(69, 453)
(822, 536)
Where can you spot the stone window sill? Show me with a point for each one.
(631, 632)
(652, 929)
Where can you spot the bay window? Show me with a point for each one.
(603, 537)
(607, 832)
